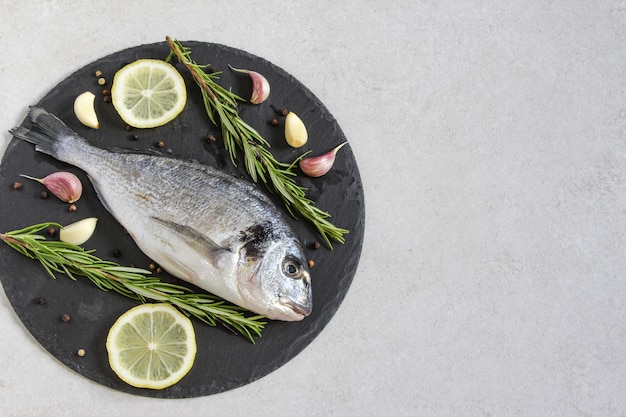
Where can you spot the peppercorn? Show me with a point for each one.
(210, 138)
(106, 92)
(106, 99)
(316, 245)
(51, 231)
(152, 267)
(117, 253)
(102, 81)
(17, 185)
(81, 352)
(274, 122)
(43, 194)
(72, 208)
(284, 111)
(160, 144)
(159, 270)
(65, 318)
(40, 300)
(98, 73)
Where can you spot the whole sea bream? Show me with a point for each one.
(200, 224)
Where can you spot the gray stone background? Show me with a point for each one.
(491, 140)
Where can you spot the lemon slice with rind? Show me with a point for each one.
(151, 346)
(148, 93)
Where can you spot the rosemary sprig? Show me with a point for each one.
(260, 163)
(136, 283)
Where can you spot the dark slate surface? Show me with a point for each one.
(224, 361)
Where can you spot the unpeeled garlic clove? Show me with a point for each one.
(85, 109)
(260, 85)
(316, 166)
(65, 185)
(79, 232)
(295, 130)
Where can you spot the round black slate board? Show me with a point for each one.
(224, 361)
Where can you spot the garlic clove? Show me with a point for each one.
(260, 85)
(65, 185)
(316, 166)
(295, 131)
(85, 109)
(79, 232)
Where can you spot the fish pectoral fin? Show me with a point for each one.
(217, 254)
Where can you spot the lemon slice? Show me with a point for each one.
(148, 93)
(151, 346)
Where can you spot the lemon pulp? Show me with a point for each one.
(151, 346)
(148, 93)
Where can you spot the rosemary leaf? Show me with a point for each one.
(221, 107)
(136, 283)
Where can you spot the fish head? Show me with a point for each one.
(279, 287)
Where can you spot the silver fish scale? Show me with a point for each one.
(214, 203)
(201, 224)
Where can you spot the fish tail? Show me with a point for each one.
(48, 133)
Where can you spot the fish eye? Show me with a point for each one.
(292, 268)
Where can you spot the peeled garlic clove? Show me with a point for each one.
(295, 130)
(85, 109)
(316, 166)
(65, 185)
(260, 85)
(79, 232)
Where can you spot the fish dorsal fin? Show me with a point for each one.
(217, 254)
(154, 152)
(151, 152)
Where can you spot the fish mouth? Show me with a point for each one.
(301, 311)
